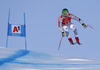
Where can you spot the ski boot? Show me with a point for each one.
(77, 40)
(71, 41)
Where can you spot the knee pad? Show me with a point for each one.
(72, 26)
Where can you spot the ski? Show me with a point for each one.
(78, 43)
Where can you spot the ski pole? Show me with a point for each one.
(90, 26)
(60, 43)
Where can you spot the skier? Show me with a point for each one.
(65, 24)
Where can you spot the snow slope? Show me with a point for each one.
(11, 59)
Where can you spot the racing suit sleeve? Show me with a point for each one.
(59, 24)
(76, 18)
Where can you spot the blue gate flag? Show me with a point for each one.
(16, 30)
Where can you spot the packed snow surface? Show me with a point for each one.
(11, 59)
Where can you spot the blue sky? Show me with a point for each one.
(42, 30)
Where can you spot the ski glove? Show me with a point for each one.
(84, 25)
(63, 34)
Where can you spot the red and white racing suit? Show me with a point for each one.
(64, 24)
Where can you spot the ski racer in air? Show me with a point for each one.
(65, 24)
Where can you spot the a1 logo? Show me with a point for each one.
(16, 29)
